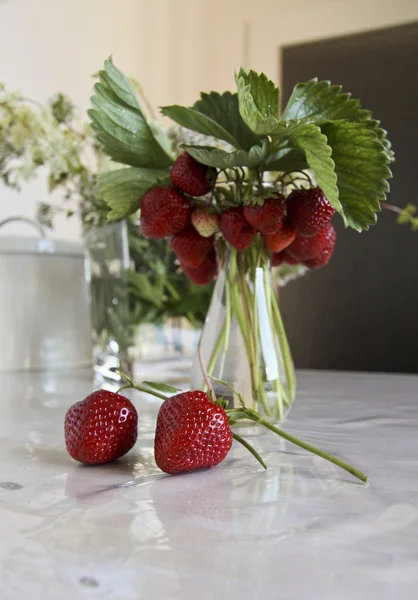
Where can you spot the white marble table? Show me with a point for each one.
(303, 529)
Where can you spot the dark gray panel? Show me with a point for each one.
(361, 312)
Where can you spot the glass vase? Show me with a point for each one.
(146, 316)
(243, 342)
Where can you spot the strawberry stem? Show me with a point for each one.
(254, 416)
(248, 446)
(132, 385)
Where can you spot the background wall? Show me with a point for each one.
(175, 47)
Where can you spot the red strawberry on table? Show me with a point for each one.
(192, 177)
(164, 211)
(266, 217)
(100, 428)
(305, 248)
(236, 229)
(190, 247)
(321, 259)
(280, 240)
(192, 433)
(309, 211)
(206, 272)
(205, 221)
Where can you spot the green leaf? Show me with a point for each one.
(119, 123)
(123, 189)
(197, 121)
(286, 160)
(221, 159)
(308, 139)
(224, 110)
(258, 99)
(361, 165)
(161, 387)
(146, 287)
(318, 101)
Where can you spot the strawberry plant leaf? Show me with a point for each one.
(361, 166)
(221, 159)
(197, 121)
(162, 387)
(224, 110)
(308, 139)
(123, 189)
(119, 123)
(318, 101)
(286, 159)
(258, 99)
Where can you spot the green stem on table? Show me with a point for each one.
(249, 448)
(254, 416)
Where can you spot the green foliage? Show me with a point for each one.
(318, 101)
(409, 216)
(222, 159)
(120, 125)
(197, 121)
(322, 129)
(123, 189)
(258, 101)
(361, 167)
(224, 110)
(308, 139)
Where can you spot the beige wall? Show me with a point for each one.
(175, 47)
(56, 45)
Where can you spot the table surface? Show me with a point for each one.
(301, 529)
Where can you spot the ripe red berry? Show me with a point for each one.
(206, 272)
(277, 259)
(305, 248)
(190, 247)
(100, 428)
(192, 177)
(164, 211)
(236, 229)
(266, 217)
(289, 259)
(192, 433)
(281, 239)
(324, 256)
(309, 211)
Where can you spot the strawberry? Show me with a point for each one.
(100, 428)
(206, 272)
(268, 217)
(305, 248)
(309, 211)
(321, 259)
(289, 259)
(236, 229)
(192, 433)
(191, 176)
(164, 211)
(280, 240)
(277, 259)
(190, 247)
(205, 221)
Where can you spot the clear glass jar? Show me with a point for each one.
(243, 342)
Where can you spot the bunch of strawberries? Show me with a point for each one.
(296, 229)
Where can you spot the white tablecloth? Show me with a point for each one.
(302, 530)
